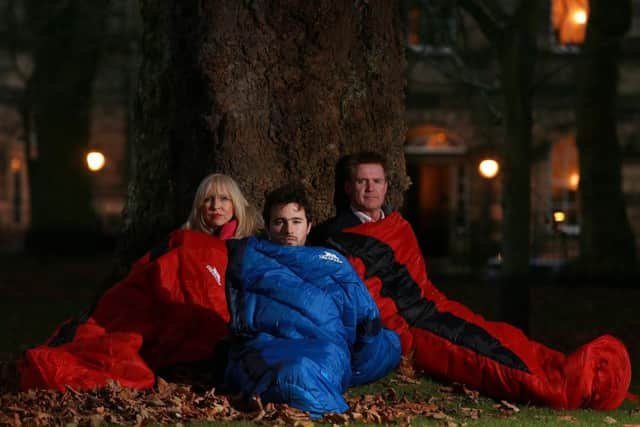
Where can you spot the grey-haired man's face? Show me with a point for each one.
(367, 189)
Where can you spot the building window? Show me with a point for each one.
(565, 178)
(568, 23)
(431, 28)
(17, 197)
(433, 140)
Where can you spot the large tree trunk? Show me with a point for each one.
(265, 91)
(607, 245)
(68, 38)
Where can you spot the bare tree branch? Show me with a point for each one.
(460, 72)
(490, 19)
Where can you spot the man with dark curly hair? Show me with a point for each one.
(287, 215)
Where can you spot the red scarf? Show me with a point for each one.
(227, 231)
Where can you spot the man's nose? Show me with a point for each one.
(285, 227)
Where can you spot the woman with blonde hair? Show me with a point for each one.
(220, 209)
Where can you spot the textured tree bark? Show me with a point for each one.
(67, 44)
(607, 244)
(265, 91)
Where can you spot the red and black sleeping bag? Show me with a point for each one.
(453, 343)
(171, 308)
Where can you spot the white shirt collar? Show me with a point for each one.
(363, 217)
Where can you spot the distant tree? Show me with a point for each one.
(265, 91)
(65, 39)
(511, 28)
(607, 244)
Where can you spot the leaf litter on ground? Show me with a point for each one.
(397, 400)
(174, 402)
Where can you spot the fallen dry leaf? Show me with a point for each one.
(473, 413)
(439, 415)
(505, 406)
(447, 389)
(408, 380)
(457, 388)
(567, 418)
(406, 366)
(609, 420)
(472, 395)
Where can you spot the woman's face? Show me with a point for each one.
(217, 207)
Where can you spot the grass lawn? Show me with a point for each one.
(37, 294)
(470, 409)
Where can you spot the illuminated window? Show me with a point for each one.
(569, 22)
(434, 140)
(565, 178)
(413, 26)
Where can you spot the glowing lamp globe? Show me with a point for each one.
(488, 168)
(580, 17)
(95, 161)
(559, 216)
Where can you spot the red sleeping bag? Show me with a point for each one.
(455, 344)
(171, 308)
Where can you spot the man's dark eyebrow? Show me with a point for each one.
(286, 219)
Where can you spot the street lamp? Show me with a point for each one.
(488, 168)
(580, 17)
(95, 161)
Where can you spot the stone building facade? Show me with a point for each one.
(453, 123)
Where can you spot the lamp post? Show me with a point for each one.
(488, 168)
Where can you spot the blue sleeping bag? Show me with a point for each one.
(305, 327)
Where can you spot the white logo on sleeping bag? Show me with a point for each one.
(214, 273)
(326, 255)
